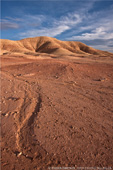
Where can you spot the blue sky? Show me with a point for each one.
(88, 21)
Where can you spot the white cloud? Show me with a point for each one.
(99, 25)
(97, 29)
(52, 32)
(56, 27)
(98, 33)
(70, 20)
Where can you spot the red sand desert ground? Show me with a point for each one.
(57, 105)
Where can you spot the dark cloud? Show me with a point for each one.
(98, 42)
(102, 44)
(110, 45)
(8, 25)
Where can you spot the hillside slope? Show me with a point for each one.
(48, 45)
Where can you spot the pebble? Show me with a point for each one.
(4, 164)
(20, 154)
(71, 126)
(55, 138)
(18, 75)
(15, 112)
(27, 156)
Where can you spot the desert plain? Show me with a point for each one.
(56, 105)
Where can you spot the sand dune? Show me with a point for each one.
(48, 45)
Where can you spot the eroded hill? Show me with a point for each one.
(48, 45)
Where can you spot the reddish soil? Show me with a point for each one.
(56, 112)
